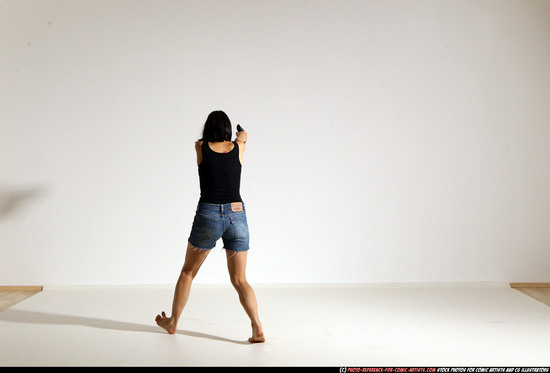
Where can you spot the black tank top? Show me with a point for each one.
(220, 175)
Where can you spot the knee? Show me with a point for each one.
(188, 273)
(239, 282)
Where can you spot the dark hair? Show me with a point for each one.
(217, 127)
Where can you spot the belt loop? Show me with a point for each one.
(221, 208)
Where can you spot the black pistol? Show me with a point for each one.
(239, 128)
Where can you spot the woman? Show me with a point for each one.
(220, 214)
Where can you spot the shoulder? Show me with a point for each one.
(198, 144)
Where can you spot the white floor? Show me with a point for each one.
(334, 325)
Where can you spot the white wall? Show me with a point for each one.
(389, 141)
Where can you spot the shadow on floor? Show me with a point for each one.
(44, 318)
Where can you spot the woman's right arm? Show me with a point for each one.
(198, 149)
(241, 140)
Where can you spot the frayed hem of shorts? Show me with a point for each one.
(198, 249)
(234, 252)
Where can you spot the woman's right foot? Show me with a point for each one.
(166, 323)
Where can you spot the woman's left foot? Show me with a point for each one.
(257, 335)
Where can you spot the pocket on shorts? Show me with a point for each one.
(203, 226)
(240, 227)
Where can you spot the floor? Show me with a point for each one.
(9, 298)
(539, 293)
(305, 325)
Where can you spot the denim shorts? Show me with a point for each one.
(215, 221)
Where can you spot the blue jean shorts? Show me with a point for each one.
(215, 221)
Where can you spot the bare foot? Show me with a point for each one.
(166, 323)
(257, 335)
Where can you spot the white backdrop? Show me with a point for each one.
(389, 141)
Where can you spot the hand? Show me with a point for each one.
(242, 136)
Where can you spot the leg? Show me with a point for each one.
(236, 264)
(193, 260)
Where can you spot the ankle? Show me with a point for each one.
(257, 327)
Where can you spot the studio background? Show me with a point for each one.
(388, 141)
